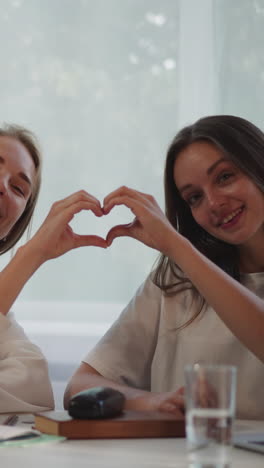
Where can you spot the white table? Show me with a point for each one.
(125, 453)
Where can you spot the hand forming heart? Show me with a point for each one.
(100, 226)
(150, 226)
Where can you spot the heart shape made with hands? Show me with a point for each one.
(86, 222)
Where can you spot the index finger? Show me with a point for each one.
(78, 196)
(124, 191)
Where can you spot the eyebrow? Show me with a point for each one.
(208, 172)
(22, 175)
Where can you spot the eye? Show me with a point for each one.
(225, 176)
(18, 189)
(193, 199)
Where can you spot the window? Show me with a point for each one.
(105, 86)
(97, 83)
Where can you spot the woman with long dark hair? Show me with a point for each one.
(204, 300)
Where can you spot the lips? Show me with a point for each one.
(231, 217)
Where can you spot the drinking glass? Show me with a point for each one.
(210, 409)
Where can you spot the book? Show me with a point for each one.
(15, 432)
(130, 424)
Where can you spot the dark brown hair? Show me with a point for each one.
(28, 139)
(243, 143)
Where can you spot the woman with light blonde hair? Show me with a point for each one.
(24, 379)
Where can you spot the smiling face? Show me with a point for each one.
(17, 176)
(224, 201)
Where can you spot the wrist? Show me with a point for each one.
(176, 247)
(145, 401)
(31, 255)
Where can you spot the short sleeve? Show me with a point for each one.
(124, 354)
(24, 378)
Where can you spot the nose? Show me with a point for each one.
(2, 186)
(215, 200)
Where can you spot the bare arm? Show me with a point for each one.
(240, 309)
(54, 238)
(236, 305)
(87, 377)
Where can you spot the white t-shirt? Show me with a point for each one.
(144, 349)
(24, 379)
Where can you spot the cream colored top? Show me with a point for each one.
(24, 379)
(144, 349)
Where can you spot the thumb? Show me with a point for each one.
(89, 240)
(121, 230)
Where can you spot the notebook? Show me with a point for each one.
(252, 441)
